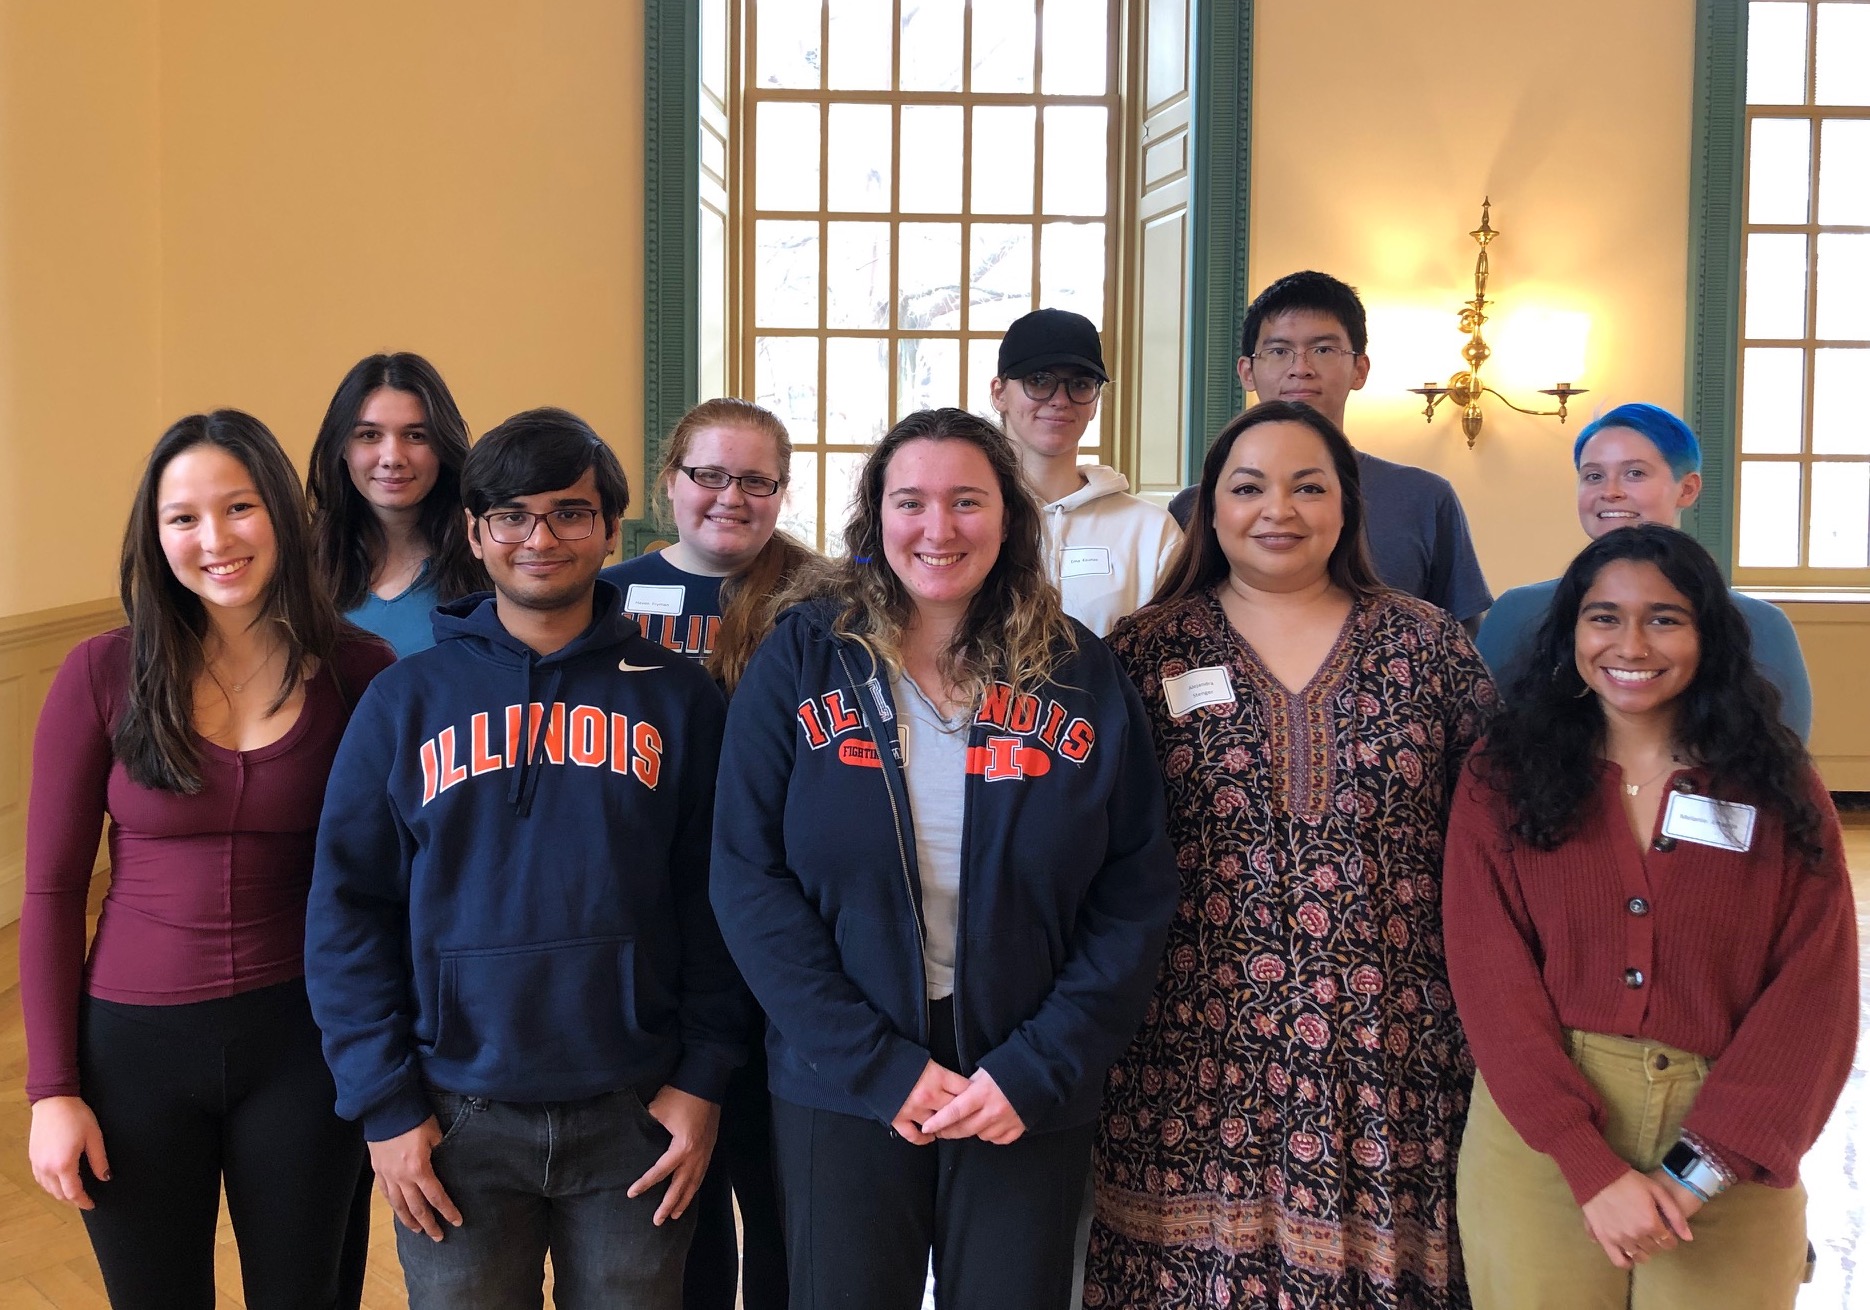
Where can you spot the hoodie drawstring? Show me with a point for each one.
(525, 783)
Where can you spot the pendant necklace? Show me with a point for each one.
(1632, 788)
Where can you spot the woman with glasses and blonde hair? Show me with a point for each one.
(939, 863)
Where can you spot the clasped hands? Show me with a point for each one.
(944, 1104)
(1640, 1215)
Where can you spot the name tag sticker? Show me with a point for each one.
(1085, 562)
(1198, 687)
(1726, 825)
(642, 598)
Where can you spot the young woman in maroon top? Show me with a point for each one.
(1651, 940)
(181, 1056)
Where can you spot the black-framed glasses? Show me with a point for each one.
(1323, 355)
(754, 484)
(1082, 388)
(514, 527)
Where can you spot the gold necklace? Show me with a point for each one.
(238, 687)
(1632, 788)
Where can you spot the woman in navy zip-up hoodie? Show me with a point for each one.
(939, 861)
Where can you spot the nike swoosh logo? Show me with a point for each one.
(624, 666)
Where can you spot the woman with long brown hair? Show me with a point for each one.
(180, 1057)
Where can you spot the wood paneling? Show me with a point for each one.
(1836, 639)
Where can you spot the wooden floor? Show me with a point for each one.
(45, 1260)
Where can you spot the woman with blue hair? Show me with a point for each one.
(1639, 463)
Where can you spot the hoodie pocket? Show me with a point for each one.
(882, 958)
(560, 1007)
(1003, 980)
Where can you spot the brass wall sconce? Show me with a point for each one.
(1465, 388)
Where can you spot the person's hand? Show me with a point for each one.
(63, 1129)
(692, 1124)
(981, 1111)
(1685, 1201)
(1633, 1219)
(408, 1182)
(933, 1091)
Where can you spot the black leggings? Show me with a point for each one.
(227, 1092)
(741, 1170)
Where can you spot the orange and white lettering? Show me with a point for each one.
(451, 771)
(815, 734)
(1079, 738)
(647, 765)
(480, 758)
(431, 772)
(587, 737)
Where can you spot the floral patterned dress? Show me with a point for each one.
(1282, 1131)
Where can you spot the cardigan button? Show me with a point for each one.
(1638, 906)
(1632, 978)
(1664, 844)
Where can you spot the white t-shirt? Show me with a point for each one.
(935, 772)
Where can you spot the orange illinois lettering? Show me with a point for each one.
(1025, 716)
(647, 766)
(431, 772)
(1054, 720)
(587, 736)
(480, 758)
(451, 771)
(815, 734)
(714, 634)
(619, 734)
(554, 731)
(843, 718)
(513, 734)
(1003, 758)
(1079, 738)
(993, 704)
(860, 751)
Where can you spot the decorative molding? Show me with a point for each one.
(1221, 125)
(1715, 200)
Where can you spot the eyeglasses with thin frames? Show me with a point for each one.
(1323, 355)
(754, 484)
(1081, 388)
(514, 527)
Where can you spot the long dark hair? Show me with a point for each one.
(155, 734)
(1542, 753)
(347, 537)
(1199, 562)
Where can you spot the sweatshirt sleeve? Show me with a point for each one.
(1500, 995)
(71, 763)
(783, 946)
(1116, 948)
(1754, 1119)
(356, 930)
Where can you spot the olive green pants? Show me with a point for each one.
(1522, 1234)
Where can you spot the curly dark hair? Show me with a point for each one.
(1542, 753)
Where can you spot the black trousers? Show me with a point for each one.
(231, 1092)
(741, 1170)
(864, 1209)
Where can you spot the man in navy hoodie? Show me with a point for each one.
(523, 993)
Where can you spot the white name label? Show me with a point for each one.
(1705, 821)
(1198, 687)
(642, 598)
(1085, 562)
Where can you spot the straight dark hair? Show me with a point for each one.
(347, 539)
(1199, 562)
(154, 737)
(1542, 753)
(539, 450)
(1310, 290)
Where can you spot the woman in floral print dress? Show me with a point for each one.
(1282, 1131)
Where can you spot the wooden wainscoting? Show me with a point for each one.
(1835, 636)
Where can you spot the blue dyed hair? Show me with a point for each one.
(1677, 442)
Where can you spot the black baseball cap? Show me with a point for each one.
(1048, 337)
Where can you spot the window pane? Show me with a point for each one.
(857, 276)
(1003, 48)
(859, 58)
(711, 303)
(1775, 285)
(1840, 528)
(785, 380)
(1002, 159)
(1840, 419)
(931, 159)
(714, 48)
(1769, 515)
(1776, 54)
(928, 282)
(1779, 170)
(1077, 149)
(983, 358)
(1773, 401)
(1071, 268)
(798, 512)
(999, 274)
(786, 141)
(785, 278)
(1075, 35)
(1844, 172)
(857, 389)
(786, 40)
(931, 44)
(928, 373)
(1844, 285)
(859, 158)
(1843, 50)
(842, 470)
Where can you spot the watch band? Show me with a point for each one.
(1694, 1171)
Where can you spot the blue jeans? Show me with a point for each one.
(537, 1177)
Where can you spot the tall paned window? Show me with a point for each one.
(917, 174)
(1804, 431)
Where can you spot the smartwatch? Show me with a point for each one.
(1694, 1171)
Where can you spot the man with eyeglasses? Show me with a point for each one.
(523, 993)
(1104, 547)
(1303, 340)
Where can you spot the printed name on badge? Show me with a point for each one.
(1726, 825)
(644, 598)
(1198, 687)
(1085, 562)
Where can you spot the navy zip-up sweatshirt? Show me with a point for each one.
(1067, 880)
(510, 898)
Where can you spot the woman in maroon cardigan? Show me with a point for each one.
(181, 1056)
(1651, 940)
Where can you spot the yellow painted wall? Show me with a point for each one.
(1377, 130)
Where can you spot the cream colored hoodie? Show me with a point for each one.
(1106, 549)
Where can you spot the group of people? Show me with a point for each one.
(734, 921)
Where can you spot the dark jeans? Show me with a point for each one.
(742, 1170)
(531, 1178)
(230, 1092)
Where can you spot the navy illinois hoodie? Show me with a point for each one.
(1067, 879)
(510, 898)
